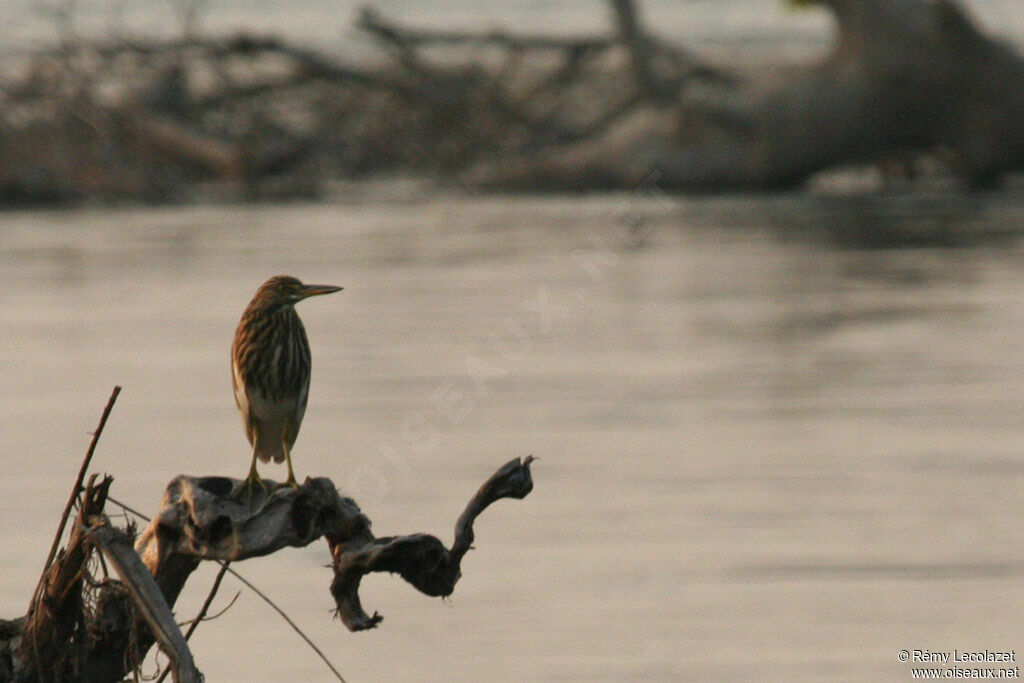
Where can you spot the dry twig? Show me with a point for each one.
(75, 490)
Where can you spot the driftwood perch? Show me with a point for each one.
(86, 629)
(208, 518)
(420, 559)
(77, 631)
(53, 645)
(147, 598)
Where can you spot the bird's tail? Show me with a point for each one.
(269, 445)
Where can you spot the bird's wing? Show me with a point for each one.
(292, 431)
(241, 399)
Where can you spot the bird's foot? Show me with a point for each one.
(254, 487)
(290, 481)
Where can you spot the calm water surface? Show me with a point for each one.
(779, 439)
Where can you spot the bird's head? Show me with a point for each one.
(284, 290)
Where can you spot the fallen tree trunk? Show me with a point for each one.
(88, 629)
(905, 77)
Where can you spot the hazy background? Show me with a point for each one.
(730, 25)
(779, 436)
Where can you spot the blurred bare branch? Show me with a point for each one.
(262, 117)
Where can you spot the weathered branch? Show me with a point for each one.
(420, 559)
(148, 600)
(513, 480)
(209, 518)
(81, 627)
(54, 646)
(98, 630)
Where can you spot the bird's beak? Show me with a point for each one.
(314, 290)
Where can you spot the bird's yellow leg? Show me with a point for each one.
(253, 479)
(291, 473)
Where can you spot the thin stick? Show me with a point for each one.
(209, 599)
(223, 610)
(291, 623)
(255, 590)
(202, 611)
(73, 497)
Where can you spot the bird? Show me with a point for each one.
(270, 363)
